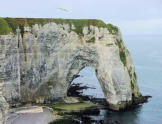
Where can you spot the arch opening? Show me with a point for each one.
(86, 85)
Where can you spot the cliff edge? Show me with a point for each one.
(39, 58)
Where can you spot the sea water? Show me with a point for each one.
(146, 52)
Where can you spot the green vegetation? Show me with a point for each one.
(135, 76)
(129, 72)
(71, 107)
(132, 85)
(119, 43)
(4, 28)
(49, 83)
(123, 57)
(22, 31)
(14, 23)
(112, 29)
(92, 40)
(11, 24)
(62, 111)
(122, 52)
(110, 44)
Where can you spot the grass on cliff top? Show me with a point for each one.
(4, 27)
(11, 24)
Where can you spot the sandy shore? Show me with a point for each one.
(30, 115)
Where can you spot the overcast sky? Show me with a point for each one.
(134, 17)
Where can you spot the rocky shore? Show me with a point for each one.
(30, 115)
(92, 112)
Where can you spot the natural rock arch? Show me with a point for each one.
(113, 79)
(41, 57)
(85, 57)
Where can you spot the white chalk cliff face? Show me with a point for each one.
(39, 63)
(3, 106)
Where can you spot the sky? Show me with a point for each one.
(133, 17)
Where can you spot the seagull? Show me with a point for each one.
(62, 9)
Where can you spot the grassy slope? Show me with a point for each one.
(4, 27)
(11, 24)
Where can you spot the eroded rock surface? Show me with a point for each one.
(3, 106)
(39, 61)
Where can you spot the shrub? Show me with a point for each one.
(4, 27)
(122, 52)
(92, 40)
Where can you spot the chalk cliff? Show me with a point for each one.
(39, 58)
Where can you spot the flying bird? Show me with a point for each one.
(62, 9)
